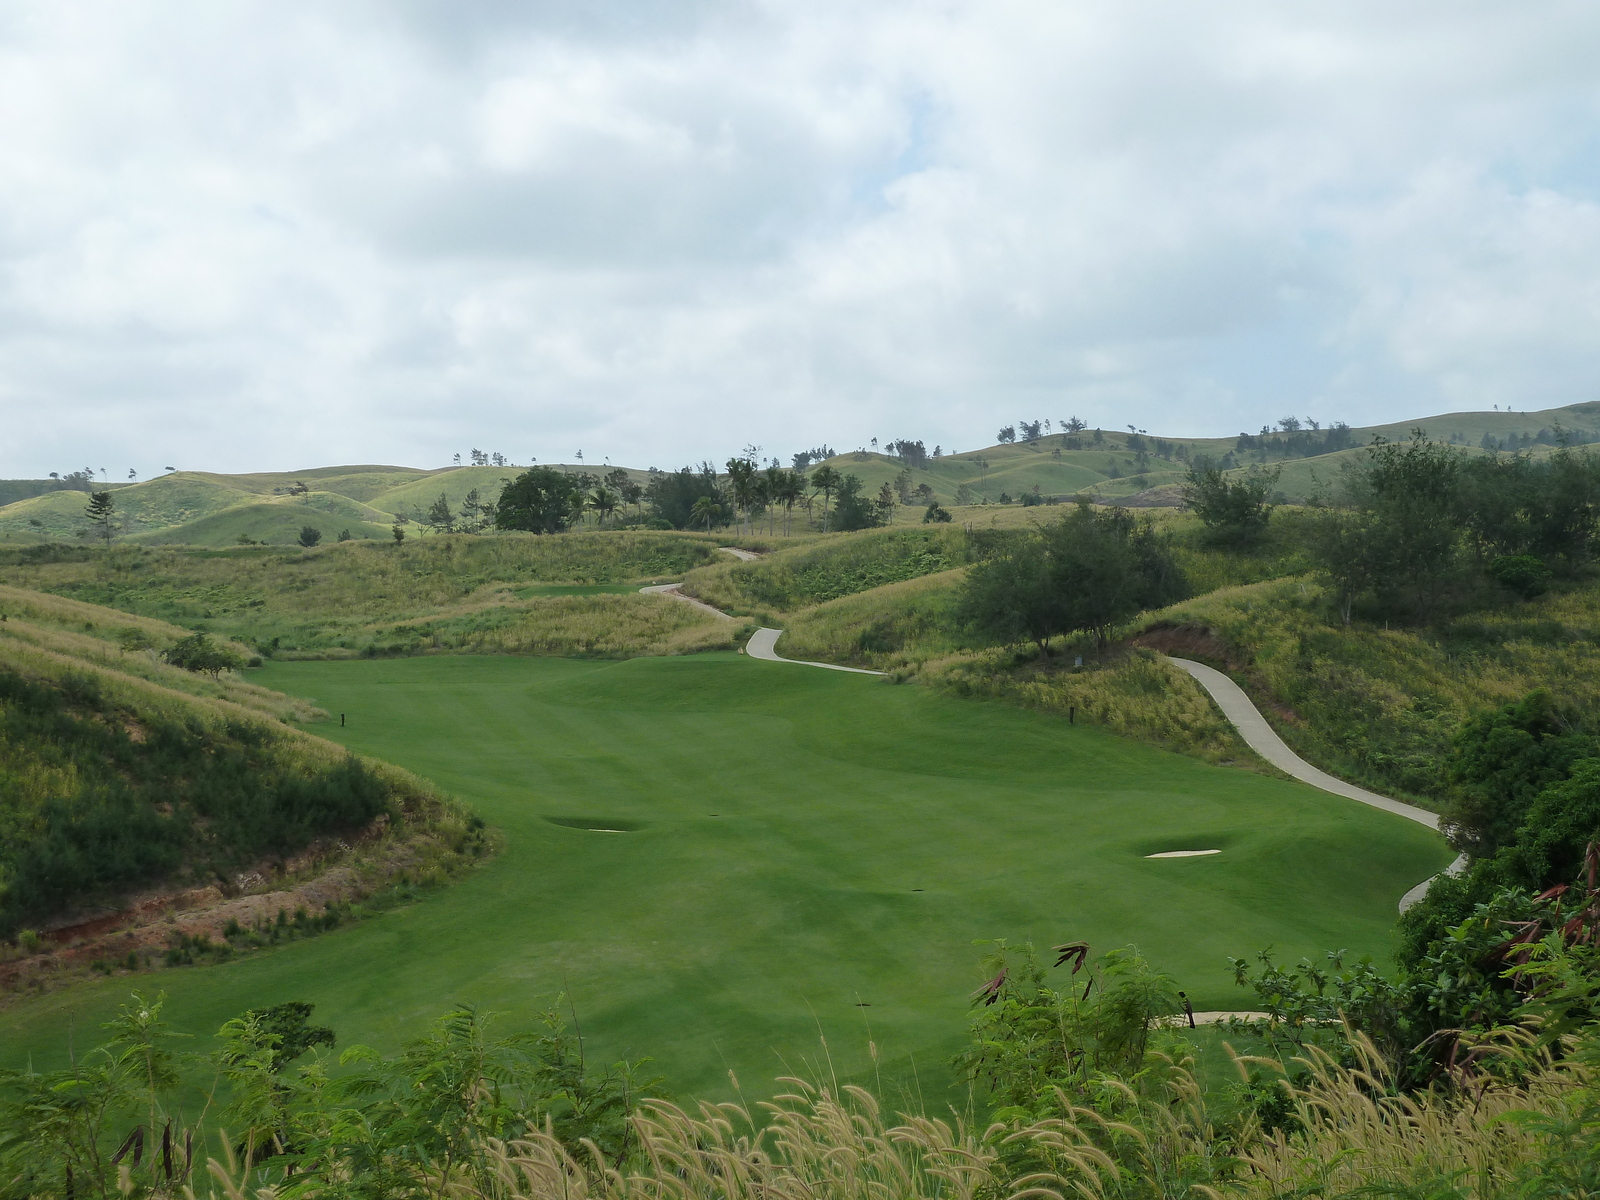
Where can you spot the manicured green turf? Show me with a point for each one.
(801, 843)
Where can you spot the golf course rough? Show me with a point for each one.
(721, 859)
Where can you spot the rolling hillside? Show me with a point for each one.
(198, 508)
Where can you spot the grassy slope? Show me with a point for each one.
(40, 624)
(1378, 705)
(786, 815)
(343, 598)
(142, 507)
(1471, 426)
(277, 521)
(74, 648)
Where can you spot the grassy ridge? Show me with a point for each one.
(194, 507)
(822, 569)
(95, 638)
(803, 842)
(347, 598)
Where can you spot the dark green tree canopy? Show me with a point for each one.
(1234, 509)
(852, 509)
(1502, 761)
(672, 495)
(540, 500)
(1087, 572)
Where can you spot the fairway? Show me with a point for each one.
(802, 852)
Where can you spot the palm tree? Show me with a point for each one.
(791, 491)
(772, 481)
(705, 508)
(742, 483)
(604, 502)
(826, 480)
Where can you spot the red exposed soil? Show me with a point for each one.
(1187, 641)
(153, 922)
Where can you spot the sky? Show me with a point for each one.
(260, 236)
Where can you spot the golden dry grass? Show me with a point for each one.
(1170, 1138)
(88, 635)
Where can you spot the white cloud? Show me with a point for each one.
(253, 235)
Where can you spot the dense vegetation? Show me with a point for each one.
(1088, 1089)
(100, 798)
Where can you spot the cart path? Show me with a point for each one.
(672, 589)
(1264, 740)
(763, 644)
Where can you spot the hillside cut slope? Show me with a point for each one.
(119, 772)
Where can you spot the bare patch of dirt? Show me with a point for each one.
(1187, 641)
(326, 876)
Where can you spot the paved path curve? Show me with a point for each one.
(763, 644)
(672, 589)
(1264, 740)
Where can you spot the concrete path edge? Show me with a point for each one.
(1264, 740)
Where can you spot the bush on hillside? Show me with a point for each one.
(199, 653)
(1501, 761)
(1235, 510)
(1418, 528)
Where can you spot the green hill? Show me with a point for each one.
(206, 509)
(278, 522)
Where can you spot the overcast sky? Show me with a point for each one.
(244, 236)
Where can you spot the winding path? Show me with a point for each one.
(1264, 740)
(673, 589)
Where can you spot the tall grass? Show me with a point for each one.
(827, 568)
(112, 779)
(1135, 693)
(1345, 1133)
(335, 597)
(604, 626)
(93, 636)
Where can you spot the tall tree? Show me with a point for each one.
(475, 512)
(852, 510)
(742, 486)
(101, 513)
(1087, 572)
(706, 509)
(439, 516)
(791, 489)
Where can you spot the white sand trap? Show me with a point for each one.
(1182, 853)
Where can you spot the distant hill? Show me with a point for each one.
(1123, 467)
(199, 508)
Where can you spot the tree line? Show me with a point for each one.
(745, 494)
